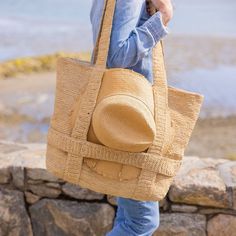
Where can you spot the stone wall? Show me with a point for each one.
(201, 200)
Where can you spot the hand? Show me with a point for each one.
(166, 9)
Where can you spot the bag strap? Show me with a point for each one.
(103, 39)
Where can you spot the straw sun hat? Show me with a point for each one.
(123, 117)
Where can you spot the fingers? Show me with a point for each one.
(164, 6)
(167, 13)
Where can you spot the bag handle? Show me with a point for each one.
(160, 87)
(103, 39)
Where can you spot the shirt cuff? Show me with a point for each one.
(156, 26)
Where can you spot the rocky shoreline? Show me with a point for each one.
(28, 65)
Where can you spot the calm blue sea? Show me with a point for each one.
(37, 27)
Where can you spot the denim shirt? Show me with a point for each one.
(134, 34)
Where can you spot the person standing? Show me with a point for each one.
(135, 32)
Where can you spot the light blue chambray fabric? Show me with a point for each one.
(134, 34)
(135, 218)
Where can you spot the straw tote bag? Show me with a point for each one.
(73, 155)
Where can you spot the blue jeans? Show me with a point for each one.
(135, 218)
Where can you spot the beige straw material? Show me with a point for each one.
(123, 118)
(75, 154)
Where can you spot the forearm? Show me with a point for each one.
(127, 52)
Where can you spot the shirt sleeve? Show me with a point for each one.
(130, 42)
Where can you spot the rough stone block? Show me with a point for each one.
(199, 182)
(222, 225)
(14, 219)
(31, 198)
(213, 211)
(183, 208)
(75, 191)
(176, 224)
(228, 174)
(44, 191)
(18, 177)
(41, 174)
(60, 217)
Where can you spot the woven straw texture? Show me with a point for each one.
(74, 155)
(123, 118)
